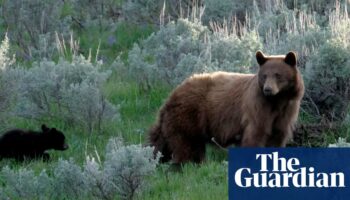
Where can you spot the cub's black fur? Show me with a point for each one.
(26, 144)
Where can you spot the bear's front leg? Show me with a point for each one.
(255, 136)
(283, 126)
(282, 132)
(279, 137)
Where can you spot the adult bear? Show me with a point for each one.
(249, 110)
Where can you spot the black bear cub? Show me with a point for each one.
(21, 144)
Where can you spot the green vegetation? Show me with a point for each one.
(135, 52)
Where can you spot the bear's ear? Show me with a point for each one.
(44, 128)
(291, 59)
(260, 57)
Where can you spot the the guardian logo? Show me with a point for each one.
(286, 173)
(289, 173)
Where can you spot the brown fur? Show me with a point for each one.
(250, 110)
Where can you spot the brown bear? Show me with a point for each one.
(249, 110)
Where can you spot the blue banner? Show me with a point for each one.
(289, 173)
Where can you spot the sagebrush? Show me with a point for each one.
(122, 174)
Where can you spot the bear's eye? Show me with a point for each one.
(264, 76)
(278, 76)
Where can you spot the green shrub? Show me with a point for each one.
(327, 73)
(69, 181)
(7, 83)
(122, 174)
(341, 142)
(24, 184)
(69, 91)
(31, 25)
(328, 80)
(141, 11)
(182, 48)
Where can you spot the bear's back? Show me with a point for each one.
(19, 140)
(213, 84)
(216, 98)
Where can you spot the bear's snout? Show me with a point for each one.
(270, 87)
(267, 91)
(62, 147)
